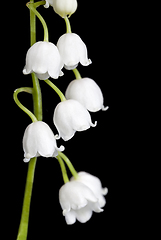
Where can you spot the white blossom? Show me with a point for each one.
(87, 92)
(72, 50)
(94, 184)
(70, 116)
(44, 59)
(62, 7)
(77, 202)
(39, 140)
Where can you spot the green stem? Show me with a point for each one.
(23, 228)
(61, 95)
(37, 99)
(77, 74)
(69, 164)
(28, 90)
(68, 26)
(63, 169)
(32, 8)
(32, 26)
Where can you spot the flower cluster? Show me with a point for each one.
(80, 197)
(83, 193)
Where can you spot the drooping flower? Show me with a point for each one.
(39, 140)
(87, 92)
(44, 59)
(63, 7)
(72, 50)
(94, 184)
(78, 202)
(70, 116)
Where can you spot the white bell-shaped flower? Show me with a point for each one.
(72, 50)
(71, 116)
(44, 59)
(39, 140)
(94, 184)
(62, 7)
(87, 92)
(77, 202)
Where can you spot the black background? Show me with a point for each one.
(95, 151)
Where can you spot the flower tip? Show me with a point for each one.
(89, 61)
(46, 5)
(101, 210)
(26, 160)
(94, 125)
(57, 136)
(104, 191)
(105, 108)
(24, 71)
(61, 148)
(65, 211)
(27, 157)
(61, 73)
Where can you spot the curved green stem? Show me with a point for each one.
(77, 74)
(68, 26)
(69, 164)
(31, 6)
(37, 4)
(61, 95)
(63, 169)
(28, 90)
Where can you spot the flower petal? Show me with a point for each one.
(84, 214)
(43, 76)
(105, 108)
(95, 207)
(70, 217)
(87, 92)
(94, 124)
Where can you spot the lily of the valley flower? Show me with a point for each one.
(94, 184)
(87, 92)
(72, 50)
(44, 59)
(70, 116)
(39, 140)
(77, 201)
(63, 7)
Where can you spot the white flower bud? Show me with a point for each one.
(87, 92)
(39, 140)
(70, 116)
(72, 50)
(63, 7)
(44, 59)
